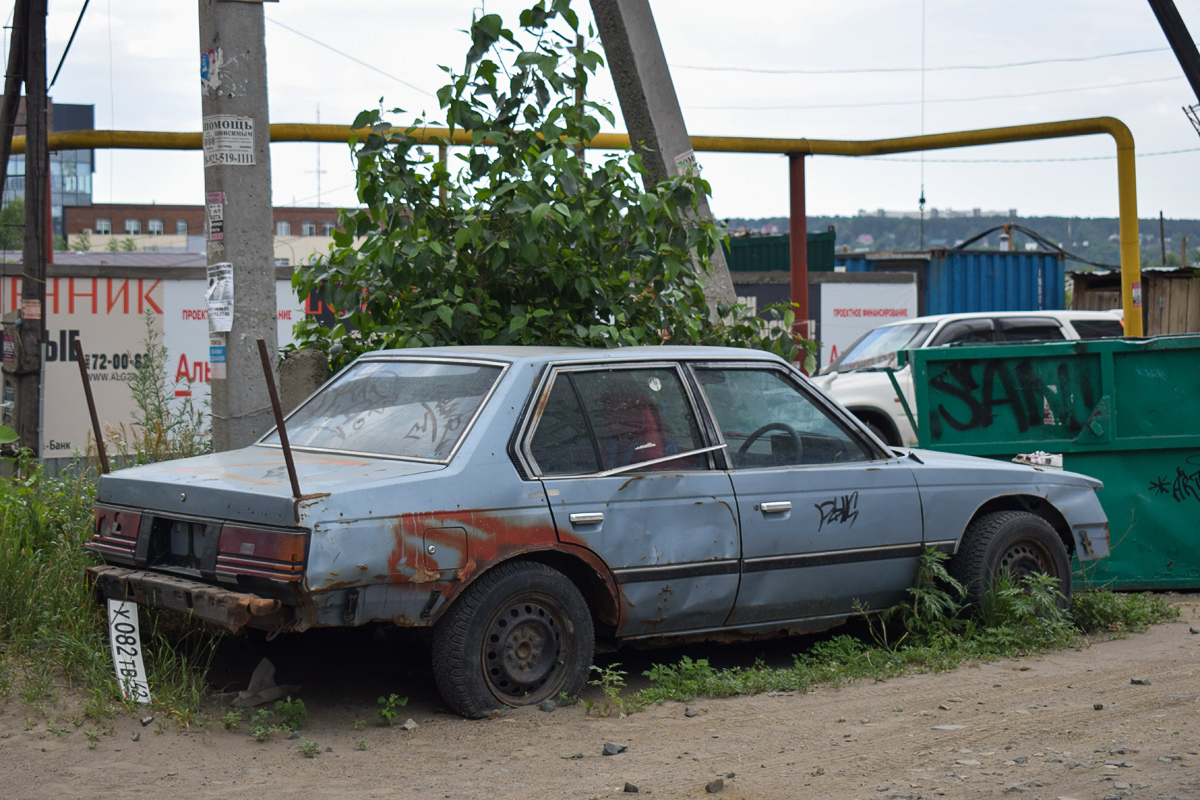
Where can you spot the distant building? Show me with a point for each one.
(299, 232)
(936, 213)
(70, 170)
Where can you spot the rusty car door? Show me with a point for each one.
(629, 476)
(829, 522)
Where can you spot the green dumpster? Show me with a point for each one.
(1124, 411)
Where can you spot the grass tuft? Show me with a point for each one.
(933, 629)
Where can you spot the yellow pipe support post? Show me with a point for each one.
(1131, 286)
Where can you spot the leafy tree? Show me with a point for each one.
(12, 225)
(524, 243)
(82, 243)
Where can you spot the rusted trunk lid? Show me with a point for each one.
(249, 485)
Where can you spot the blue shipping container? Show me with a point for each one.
(954, 281)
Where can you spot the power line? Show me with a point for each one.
(1027, 160)
(877, 70)
(352, 58)
(943, 100)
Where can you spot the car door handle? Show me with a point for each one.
(775, 508)
(587, 518)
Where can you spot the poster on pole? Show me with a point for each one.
(220, 297)
(228, 139)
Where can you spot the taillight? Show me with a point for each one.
(115, 532)
(261, 552)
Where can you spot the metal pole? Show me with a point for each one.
(798, 242)
(237, 184)
(33, 270)
(1180, 40)
(12, 86)
(91, 404)
(1162, 238)
(1131, 287)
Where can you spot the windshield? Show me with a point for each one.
(404, 409)
(878, 347)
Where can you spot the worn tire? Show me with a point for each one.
(518, 635)
(1013, 542)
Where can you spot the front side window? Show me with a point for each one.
(403, 409)
(283, 228)
(103, 226)
(133, 226)
(327, 228)
(767, 421)
(181, 227)
(600, 420)
(308, 229)
(155, 227)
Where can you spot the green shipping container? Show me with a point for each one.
(1124, 411)
(771, 253)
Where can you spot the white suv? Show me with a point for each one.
(858, 379)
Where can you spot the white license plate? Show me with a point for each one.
(126, 640)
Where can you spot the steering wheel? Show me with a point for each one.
(773, 426)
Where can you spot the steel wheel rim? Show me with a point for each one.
(521, 650)
(1025, 558)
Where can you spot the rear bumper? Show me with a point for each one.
(222, 607)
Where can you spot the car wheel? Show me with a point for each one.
(1016, 543)
(518, 635)
(890, 441)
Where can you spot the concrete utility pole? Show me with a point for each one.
(237, 185)
(33, 272)
(651, 109)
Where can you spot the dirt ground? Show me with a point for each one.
(1118, 719)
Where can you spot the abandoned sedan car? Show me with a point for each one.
(523, 503)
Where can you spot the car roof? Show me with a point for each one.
(538, 354)
(1059, 314)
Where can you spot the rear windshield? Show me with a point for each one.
(878, 347)
(403, 409)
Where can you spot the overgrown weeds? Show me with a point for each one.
(166, 424)
(933, 629)
(49, 623)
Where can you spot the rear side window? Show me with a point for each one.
(598, 420)
(1031, 329)
(964, 331)
(562, 444)
(1098, 328)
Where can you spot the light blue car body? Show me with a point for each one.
(706, 551)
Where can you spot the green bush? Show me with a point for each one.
(522, 242)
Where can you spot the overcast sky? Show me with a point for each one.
(780, 68)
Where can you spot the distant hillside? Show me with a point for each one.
(1092, 239)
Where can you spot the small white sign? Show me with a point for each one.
(126, 640)
(220, 297)
(848, 310)
(228, 139)
(686, 162)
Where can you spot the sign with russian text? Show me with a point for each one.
(848, 310)
(228, 139)
(113, 318)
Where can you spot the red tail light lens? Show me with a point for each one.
(262, 552)
(115, 532)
